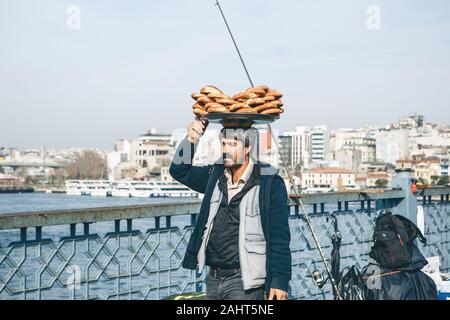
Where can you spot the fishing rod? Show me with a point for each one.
(297, 199)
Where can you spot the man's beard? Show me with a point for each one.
(228, 161)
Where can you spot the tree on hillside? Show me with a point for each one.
(434, 179)
(443, 181)
(58, 177)
(381, 183)
(87, 165)
(422, 181)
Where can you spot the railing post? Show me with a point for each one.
(116, 226)
(198, 285)
(38, 233)
(73, 230)
(23, 234)
(193, 219)
(86, 228)
(408, 205)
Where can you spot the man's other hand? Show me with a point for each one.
(278, 294)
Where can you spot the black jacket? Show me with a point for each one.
(273, 200)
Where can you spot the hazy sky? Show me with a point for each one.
(133, 64)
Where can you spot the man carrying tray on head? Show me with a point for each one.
(242, 230)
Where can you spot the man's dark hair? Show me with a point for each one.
(247, 136)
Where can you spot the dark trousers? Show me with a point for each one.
(230, 287)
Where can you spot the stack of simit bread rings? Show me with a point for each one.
(260, 99)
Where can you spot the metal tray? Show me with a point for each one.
(240, 120)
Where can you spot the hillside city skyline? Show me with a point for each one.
(216, 127)
(316, 156)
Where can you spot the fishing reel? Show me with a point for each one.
(318, 278)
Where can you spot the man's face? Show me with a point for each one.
(233, 152)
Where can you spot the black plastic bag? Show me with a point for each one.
(351, 285)
(406, 283)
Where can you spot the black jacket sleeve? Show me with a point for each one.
(182, 170)
(280, 253)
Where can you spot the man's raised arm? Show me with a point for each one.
(181, 168)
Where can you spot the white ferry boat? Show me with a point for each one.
(128, 188)
(121, 189)
(74, 187)
(173, 189)
(141, 190)
(151, 189)
(99, 188)
(95, 188)
(316, 190)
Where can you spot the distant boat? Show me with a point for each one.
(152, 189)
(128, 188)
(317, 190)
(121, 189)
(15, 189)
(75, 188)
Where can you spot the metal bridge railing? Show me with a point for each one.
(135, 252)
